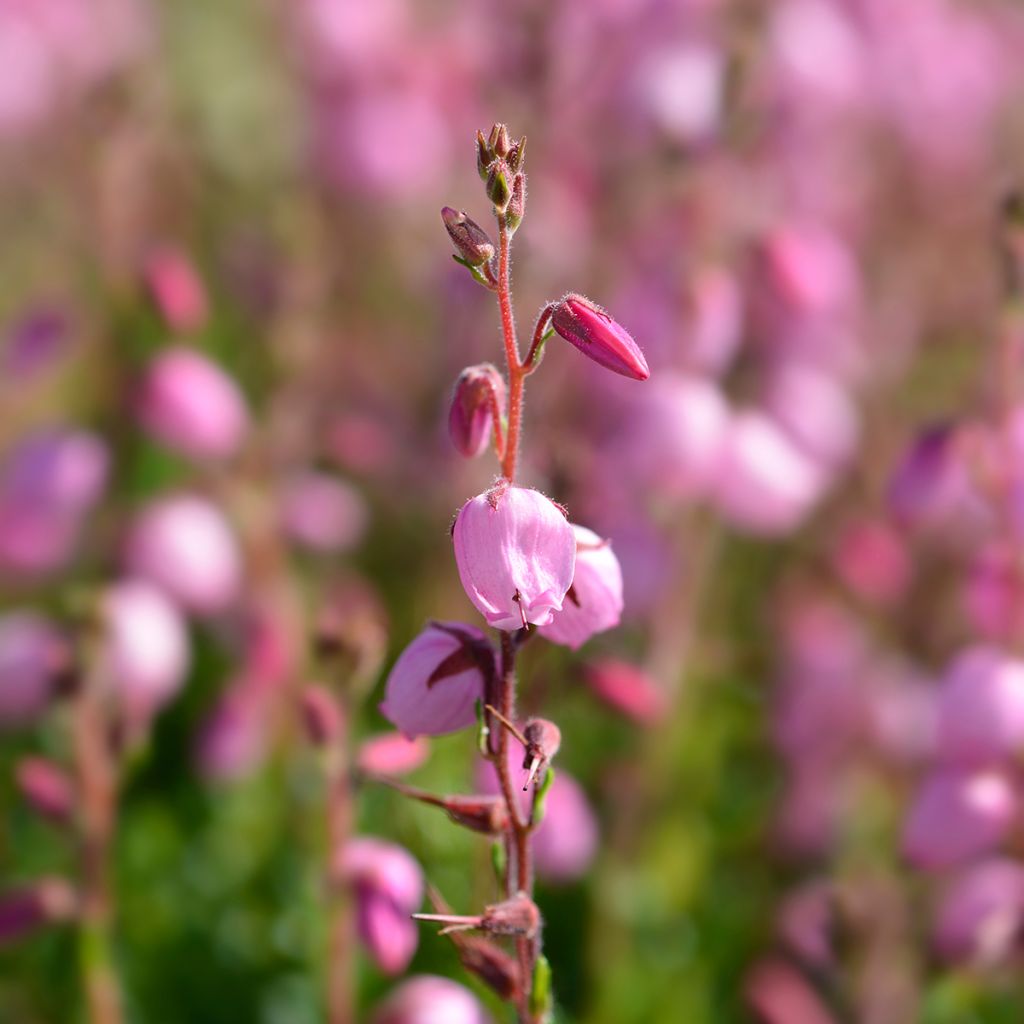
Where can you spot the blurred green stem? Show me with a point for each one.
(340, 920)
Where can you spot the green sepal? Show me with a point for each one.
(540, 796)
(483, 733)
(477, 273)
(499, 861)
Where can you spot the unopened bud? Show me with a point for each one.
(498, 189)
(543, 738)
(46, 787)
(467, 236)
(321, 716)
(484, 155)
(478, 391)
(485, 814)
(498, 140)
(517, 203)
(587, 326)
(517, 156)
(518, 916)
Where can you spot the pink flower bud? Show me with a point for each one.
(981, 708)
(516, 555)
(435, 684)
(627, 689)
(956, 816)
(33, 654)
(391, 753)
(145, 646)
(427, 999)
(322, 512)
(46, 787)
(191, 405)
(176, 288)
(765, 483)
(477, 391)
(982, 912)
(587, 326)
(184, 545)
(467, 236)
(388, 887)
(594, 601)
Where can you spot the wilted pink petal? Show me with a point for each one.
(956, 816)
(587, 326)
(145, 645)
(322, 512)
(427, 999)
(981, 708)
(190, 404)
(391, 753)
(982, 912)
(628, 689)
(594, 601)
(184, 545)
(516, 555)
(435, 684)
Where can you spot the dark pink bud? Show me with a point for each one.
(471, 241)
(43, 902)
(543, 739)
(594, 601)
(478, 392)
(46, 787)
(516, 555)
(437, 680)
(517, 916)
(321, 715)
(587, 326)
(427, 999)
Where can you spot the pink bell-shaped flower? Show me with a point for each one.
(428, 999)
(190, 404)
(435, 684)
(957, 816)
(516, 555)
(388, 886)
(594, 601)
(587, 326)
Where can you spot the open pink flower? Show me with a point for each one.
(388, 887)
(516, 556)
(428, 999)
(594, 601)
(587, 326)
(437, 680)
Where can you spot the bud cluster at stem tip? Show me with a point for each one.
(500, 163)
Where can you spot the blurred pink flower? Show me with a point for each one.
(628, 689)
(38, 903)
(322, 512)
(956, 816)
(191, 405)
(388, 887)
(183, 544)
(982, 912)
(778, 994)
(177, 288)
(46, 787)
(993, 592)
(32, 655)
(391, 753)
(437, 680)
(594, 601)
(516, 554)
(873, 560)
(427, 999)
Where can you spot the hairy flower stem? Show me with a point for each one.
(519, 870)
(516, 372)
(97, 778)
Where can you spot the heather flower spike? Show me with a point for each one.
(516, 555)
(477, 404)
(587, 326)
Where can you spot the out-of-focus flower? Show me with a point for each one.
(779, 995)
(982, 912)
(713, 328)
(993, 593)
(428, 999)
(435, 684)
(177, 288)
(587, 326)
(594, 601)
(322, 512)
(627, 689)
(478, 391)
(764, 483)
(191, 405)
(956, 816)
(871, 558)
(516, 555)
(805, 922)
(146, 646)
(46, 787)
(183, 544)
(388, 887)
(233, 739)
(321, 715)
(39, 903)
(682, 90)
(566, 841)
(391, 753)
(981, 708)
(49, 482)
(32, 656)
(34, 341)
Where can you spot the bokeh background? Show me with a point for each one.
(799, 210)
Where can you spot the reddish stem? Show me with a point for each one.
(530, 363)
(516, 373)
